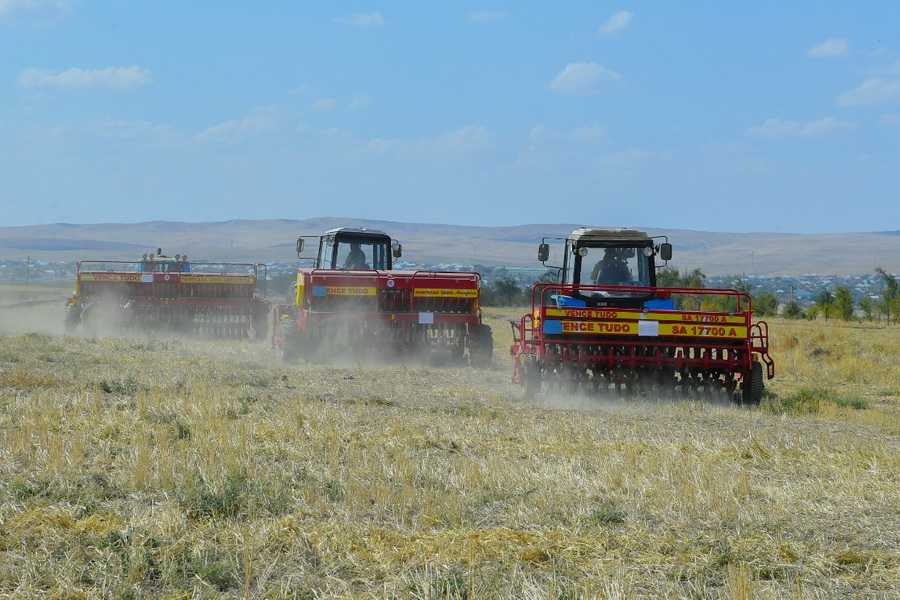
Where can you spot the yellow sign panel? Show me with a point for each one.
(612, 313)
(445, 293)
(350, 291)
(216, 279)
(647, 328)
(110, 276)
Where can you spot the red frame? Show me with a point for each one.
(168, 288)
(734, 354)
(394, 299)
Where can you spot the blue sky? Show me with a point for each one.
(708, 115)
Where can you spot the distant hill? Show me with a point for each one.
(769, 254)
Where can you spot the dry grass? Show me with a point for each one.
(154, 468)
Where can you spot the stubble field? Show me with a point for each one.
(171, 468)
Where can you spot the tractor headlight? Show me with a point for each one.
(582, 251)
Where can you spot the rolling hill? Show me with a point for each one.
(716, 253)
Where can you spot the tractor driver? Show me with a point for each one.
(611, 269)
(356, 259)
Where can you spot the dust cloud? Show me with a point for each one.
(31, 309)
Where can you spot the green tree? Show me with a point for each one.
(868, 308)
(508, 290)
(824, 302)
(889, 305)
(843, 303)
(549, 276)
(793, 310)
(671, 277)
(728, 303)
(766, 305)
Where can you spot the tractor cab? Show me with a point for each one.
(609, 267)
(160, 263)
(353, 249)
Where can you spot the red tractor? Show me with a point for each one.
(606, 326)
(350, 302)
(162, 295)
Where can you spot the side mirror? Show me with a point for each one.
(299, 245)
(665, 251)
(396, 249)
(543, 252)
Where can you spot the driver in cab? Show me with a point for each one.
(611, 269)
(356, 259)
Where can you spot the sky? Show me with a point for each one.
(763, 116)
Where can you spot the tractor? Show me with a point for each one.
(606, 326)
(348, 302)
(161, 294)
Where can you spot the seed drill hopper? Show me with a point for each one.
(160, 294)
(608, 328)
(350, 302)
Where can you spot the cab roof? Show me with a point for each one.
(355, 231)
(609, 236)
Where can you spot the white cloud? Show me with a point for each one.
(830, 48)
(773, 128)
(383, 146)
(324, 104)
(120, 78)
(617, 23)
(587, 133)
(465, 140)
(872, 91)
(487, 15)
(124, 130)
(260, 120)
(630, 162)
(40, 12)
(888, 71)
(360, 101)
(628, 158)
(361, 20)
(583, 78)
(825, 126)
(779, 128)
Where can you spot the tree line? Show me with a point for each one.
(504, 289)
(838, 304)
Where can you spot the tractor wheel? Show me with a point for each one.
(753, 386)
(481, 347)
(72, 319)
(101, 318)
(531, 375)
(260, 324)
(291, 343)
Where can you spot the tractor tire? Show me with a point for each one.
(291, 343)
(531, 375)
(481, 347)
(290, 351)
(101, 319)
(260, 324)
(72, 319)
(752, 391)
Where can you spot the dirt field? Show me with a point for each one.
(143, 468)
